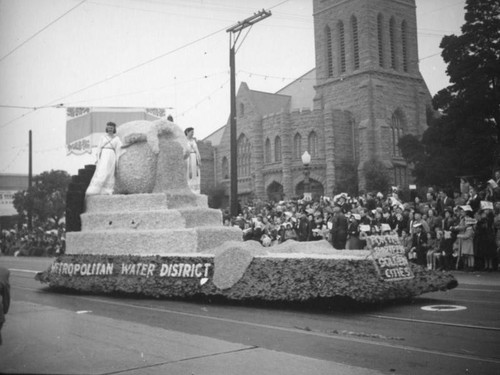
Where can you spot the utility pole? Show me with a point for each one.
(236, 31)
(30, 180)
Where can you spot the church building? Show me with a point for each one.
(364, 94)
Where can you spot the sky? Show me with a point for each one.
(171, 54)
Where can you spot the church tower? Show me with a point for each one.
(368, 83)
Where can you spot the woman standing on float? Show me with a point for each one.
(103, 181)
(194, 162)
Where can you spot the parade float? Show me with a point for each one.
(155, 237)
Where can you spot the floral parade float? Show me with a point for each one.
(155, 237)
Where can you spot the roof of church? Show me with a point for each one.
(267, 103)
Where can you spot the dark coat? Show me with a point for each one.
(4, 296)
(419, 242)
(339, 231)
(4, 293)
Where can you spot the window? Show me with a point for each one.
(312, 144)
(400, 176)
(242, 109)
(355, 41)
(342, 47)
(392, 41)
(329, 52)
(243, 160)
(380, 33)
(225, 168)
(297, 146)
(404, 41)
(397, 132)
(277, 149)
(267, 152)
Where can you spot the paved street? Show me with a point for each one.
(61, 333)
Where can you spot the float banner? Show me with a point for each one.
(389, 257)
(80, 146)
(147, 269)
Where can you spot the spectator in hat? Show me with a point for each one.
(419, 244)
(466, 243)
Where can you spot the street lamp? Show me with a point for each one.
(306, 160)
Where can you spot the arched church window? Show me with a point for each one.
(329, 51)
(404, 41)
(392, 42)
(355, 41)
(397, 132)
(242, 109)
(400, 176)
(380, 35)
(244, 156)
(342, 46)
(267, 152)
(312, 144)
(277, 149)
(297, 146)
(225, 168)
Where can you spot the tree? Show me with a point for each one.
(376, 176)
(47, 196)
(470, 104)
(347, 180)
(464, 138)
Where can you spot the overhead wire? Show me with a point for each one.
(51, 103)
(41, 30)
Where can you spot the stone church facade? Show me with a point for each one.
(364, 94)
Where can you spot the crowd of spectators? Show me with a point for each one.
(440, 230)
(40, 241)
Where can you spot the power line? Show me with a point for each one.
(70, 104)
(137, 66)
(426, 57)
(149, 61)
(41, 30)
(13, 160)
(50, 104)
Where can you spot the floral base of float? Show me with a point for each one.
(292, 272)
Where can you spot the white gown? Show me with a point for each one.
(103, 181)
(193, 168)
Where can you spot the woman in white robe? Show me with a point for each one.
(194, 162)
(103, 181)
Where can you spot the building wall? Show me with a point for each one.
(10, 184)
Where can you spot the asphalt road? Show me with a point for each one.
(397, 338)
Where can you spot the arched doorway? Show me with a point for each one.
(275, 191)
(316, 187)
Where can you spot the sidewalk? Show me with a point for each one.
(44, 340)
(477, 278)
